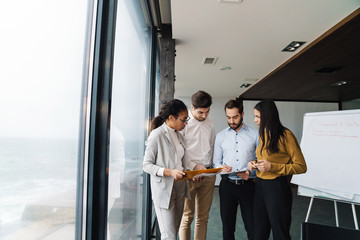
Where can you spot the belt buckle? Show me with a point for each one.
(239, 181)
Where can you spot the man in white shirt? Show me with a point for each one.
(199, 137)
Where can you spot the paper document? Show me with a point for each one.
(234, 173)
(200, 173)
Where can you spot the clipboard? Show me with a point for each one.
(200, 173)
(234, 173)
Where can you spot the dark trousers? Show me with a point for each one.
(272, 208)
(231, 195)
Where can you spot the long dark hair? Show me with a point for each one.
(173, 107)
(271, 125)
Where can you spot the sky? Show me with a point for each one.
(41, 64)
(41, 68)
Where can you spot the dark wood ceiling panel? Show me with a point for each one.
(296, 80)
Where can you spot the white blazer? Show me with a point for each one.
(160, 153)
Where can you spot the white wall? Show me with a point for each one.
(291, 113)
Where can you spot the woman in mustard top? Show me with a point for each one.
(279, 156)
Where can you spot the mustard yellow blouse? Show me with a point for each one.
(288, 160)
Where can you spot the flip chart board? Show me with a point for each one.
(331, 147)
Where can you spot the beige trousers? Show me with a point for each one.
(201, 194)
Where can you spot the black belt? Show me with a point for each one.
(237, 181)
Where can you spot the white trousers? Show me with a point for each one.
(169, 219)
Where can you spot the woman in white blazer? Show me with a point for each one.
(165, 160)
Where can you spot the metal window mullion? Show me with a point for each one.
(97, 194)
(147, 202)
(85, 122)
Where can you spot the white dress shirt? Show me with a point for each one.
(199, 139)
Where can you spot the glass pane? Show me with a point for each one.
(129, 113)
(41, 61)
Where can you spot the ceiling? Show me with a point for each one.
(249, 37)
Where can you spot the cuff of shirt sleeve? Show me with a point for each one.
(160, 172)
(217, 166)
(276, 168)
(253, 173)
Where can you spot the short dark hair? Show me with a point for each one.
(237, 103)
(201, 99)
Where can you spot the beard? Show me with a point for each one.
(234, 127)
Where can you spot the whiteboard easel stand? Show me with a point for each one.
(355, 217)
(336, 211)
(336, 214)
(309, 209)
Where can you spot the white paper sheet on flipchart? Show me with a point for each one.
(312, 192)
(325, 170)
(349, 196)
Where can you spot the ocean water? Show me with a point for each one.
(32, 170)
(42, 173)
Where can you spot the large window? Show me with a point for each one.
(129, 114)
(41, 65)
(43, 93)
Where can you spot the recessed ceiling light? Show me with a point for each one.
(293, 46)
(245, 85)
(339, 83)
(225, 68)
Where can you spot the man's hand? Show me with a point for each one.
(244, 175)
(252, 165)
(197, 179)
(199, 167)
(226, 169)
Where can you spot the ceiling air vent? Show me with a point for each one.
(328, 69)
(209, 60)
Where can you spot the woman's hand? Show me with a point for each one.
(252, 165)
(263, 165)
(175, 173)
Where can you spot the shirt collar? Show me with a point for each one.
(191, 116)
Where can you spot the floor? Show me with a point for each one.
(322, 213)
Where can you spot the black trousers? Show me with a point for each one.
(272, 208)
(231, 195)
